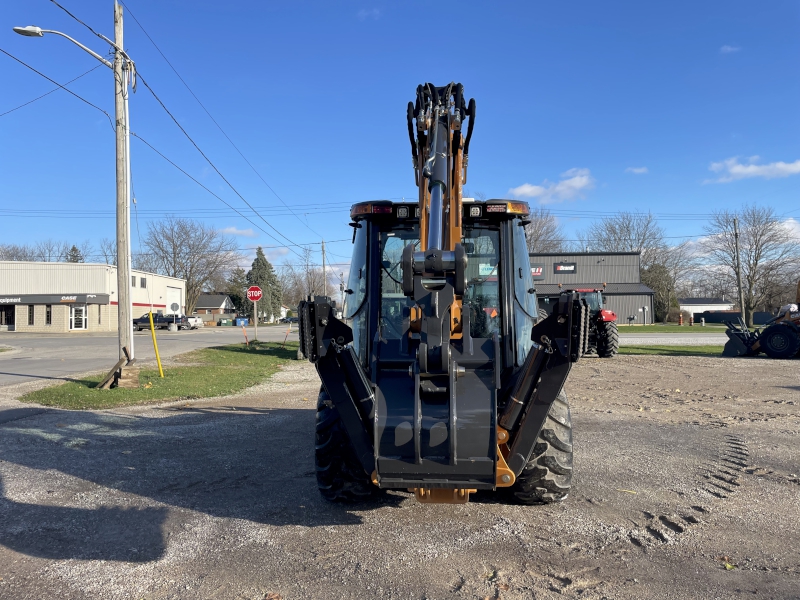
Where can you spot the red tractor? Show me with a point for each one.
(603, 334)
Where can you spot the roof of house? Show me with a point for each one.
(704, 301)
(552, 289)
(212, 300)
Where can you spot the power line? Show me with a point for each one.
(82, 99)
(174, 70)
(213, 194)
(208, 160)
(50, 92)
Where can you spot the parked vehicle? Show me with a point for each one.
(193, 322)
(160, 321)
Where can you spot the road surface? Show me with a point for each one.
(58, 356)
(672, 339)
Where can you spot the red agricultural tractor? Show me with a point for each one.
(603, 335)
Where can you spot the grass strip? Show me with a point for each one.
(203, 373)
(673, 350)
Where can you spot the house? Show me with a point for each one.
(700, 305)
(214, 304)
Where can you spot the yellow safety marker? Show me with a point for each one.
(155, 345)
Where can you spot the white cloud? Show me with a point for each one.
(636, 170)
(275, 254)
(729, 49)
(372, 13)
(793, 225)
(573, 184)
(240, 232)
(732, 169)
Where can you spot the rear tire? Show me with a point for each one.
(780, 341)
(340, 476)
(543, 314)
(607, 339)
(547, 477)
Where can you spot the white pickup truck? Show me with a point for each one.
(194, 322)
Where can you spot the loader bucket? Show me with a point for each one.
(735, 346)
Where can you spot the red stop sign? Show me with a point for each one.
(254, 293)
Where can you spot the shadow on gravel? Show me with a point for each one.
(58, 532)
(254, 464)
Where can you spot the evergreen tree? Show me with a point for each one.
(236, 288)
(260, 273)
(74, 255)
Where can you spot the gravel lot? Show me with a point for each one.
(682, 465)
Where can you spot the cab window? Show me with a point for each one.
(482, 247)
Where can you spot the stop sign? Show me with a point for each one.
(254, 293)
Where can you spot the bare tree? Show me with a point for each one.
(300, 278)
(17, 252)
(49, 250)
(544, 233)
(108, 251)
(769, 253)
(627, 232)
(190, 250)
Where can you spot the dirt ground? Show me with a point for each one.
(686, 486)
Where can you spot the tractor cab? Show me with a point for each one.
(384, 327)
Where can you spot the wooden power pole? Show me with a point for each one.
(121, 75)
(739, 269)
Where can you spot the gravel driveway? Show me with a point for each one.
(683, 465)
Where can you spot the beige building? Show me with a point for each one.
(77, 297)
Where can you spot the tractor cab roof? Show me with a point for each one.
(473, 209)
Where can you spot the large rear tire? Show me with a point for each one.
(547, 477)
(780, 341)
(607, 339)
(543, 314)
(340, 477)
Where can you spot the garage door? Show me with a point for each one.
(173, 298)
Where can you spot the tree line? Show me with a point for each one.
(769, 253)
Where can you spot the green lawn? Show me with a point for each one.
(673, 350)
(200, 374)
(671, 329)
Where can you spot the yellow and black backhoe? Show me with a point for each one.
(441, 379)
(778, 338)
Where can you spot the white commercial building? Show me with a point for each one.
(62, 297)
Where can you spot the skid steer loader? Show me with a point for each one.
(441, 379)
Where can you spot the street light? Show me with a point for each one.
(124, 69)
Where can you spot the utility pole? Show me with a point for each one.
(324, 272)
(121, 75)
(739, 268)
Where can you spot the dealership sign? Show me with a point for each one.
(537, 271)
(56, 299)
(565, 268)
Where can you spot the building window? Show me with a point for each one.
(133, 280)
(142, 282)
(99, 315)
(48, 314)
(30, 314)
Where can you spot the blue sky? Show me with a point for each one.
(680, 108)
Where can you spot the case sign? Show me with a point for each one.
(564, 267)
(537, 271)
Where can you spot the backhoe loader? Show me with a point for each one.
(441, 379)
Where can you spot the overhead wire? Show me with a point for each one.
(81, 98)
(227, 137)
(185, 133)
(50, 92)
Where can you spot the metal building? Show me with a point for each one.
(624, 293)
(63, 297)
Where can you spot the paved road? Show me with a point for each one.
(672, 339)
(46, 356)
